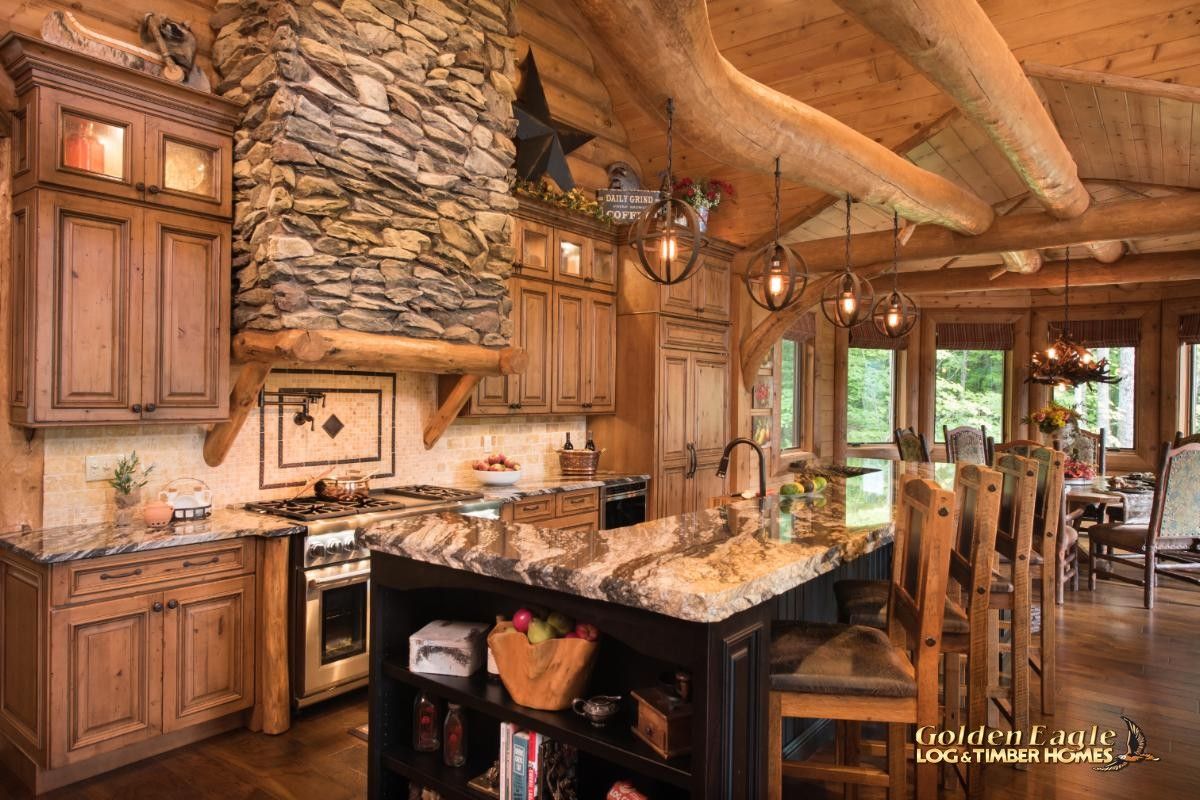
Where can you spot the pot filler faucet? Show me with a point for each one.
(723, 467)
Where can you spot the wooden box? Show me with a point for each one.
(447, 648)
(664, 722)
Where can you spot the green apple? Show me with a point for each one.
(539, 631)
(561, 623)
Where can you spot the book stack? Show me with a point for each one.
(533, 767)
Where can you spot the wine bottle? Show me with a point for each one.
(590, 444)
(568, 445)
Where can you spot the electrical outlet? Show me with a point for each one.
(99, 468)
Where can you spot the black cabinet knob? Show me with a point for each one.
(136, 408)
(151, 408)
(172, 604)
(141, 187)
(153, 189)
(157, 606)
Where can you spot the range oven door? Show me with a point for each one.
(336, 615)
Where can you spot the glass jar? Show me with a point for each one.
(425, 727)
(454, 751)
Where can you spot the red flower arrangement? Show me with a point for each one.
(707, 193)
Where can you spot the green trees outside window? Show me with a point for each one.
(870, 396)
(969, 390)
(791, 395)
(1107, 406)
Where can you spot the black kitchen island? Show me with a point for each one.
(695, 592)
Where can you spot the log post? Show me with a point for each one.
(272, 711)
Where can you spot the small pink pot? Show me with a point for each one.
(157, 514)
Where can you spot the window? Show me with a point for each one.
(791, 395)
(969, 390)
(870, 396)
(1191, 371)
(1107, 406)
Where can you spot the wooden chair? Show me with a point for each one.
(1085, 446)
(912, 446)
(1181, 440)
(860, 674)
(968, 444)
(1172, 533)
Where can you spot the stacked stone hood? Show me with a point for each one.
(372, 166)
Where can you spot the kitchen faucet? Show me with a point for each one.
(723, 467)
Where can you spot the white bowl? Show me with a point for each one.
(489, 478)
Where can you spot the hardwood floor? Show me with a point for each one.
(1114, 658)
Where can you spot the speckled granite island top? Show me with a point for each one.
(702, 567)
(73, 542)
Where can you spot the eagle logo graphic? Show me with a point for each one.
(1135, 750)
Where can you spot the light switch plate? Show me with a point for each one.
(99, 468)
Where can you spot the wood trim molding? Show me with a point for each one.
(1171, 381)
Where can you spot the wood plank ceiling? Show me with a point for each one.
(813, 51)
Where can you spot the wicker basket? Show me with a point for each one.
(578, 463)
(546, 676)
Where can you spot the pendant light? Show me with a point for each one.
(659, 238)
(848, 298)
(1065, 362)
(896, 314)
(776, 275)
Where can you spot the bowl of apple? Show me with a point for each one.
(497, 470)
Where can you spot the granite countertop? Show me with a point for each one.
(550, 484)
(702, 567)
(73, 542)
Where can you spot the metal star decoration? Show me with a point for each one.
(543, 144)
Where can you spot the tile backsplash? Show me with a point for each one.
(378, 419)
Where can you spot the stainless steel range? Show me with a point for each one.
(331, 580)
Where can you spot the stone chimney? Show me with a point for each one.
(372, 165)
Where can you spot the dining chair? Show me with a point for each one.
(1083, 445)
(912, 446)
(1172, 533)
(1181, 440)
(860, 674)
(969, 444)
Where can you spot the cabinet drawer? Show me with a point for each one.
(587, 522)
(566, 503)
(694, 336)
(533, 508)
(89, 579)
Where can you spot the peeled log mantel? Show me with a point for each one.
(261, 350)
(1129, 219)
(667, 49)
(955, 45)
(1149, 268)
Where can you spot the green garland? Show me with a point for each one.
(574, 200)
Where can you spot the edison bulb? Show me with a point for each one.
(849, 304)
(667, 248)
(1087, 357)
(894, 318)
(1051, 353)
(775, 284)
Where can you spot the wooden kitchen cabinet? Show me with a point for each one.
(120, 286)
(120, 313)
(576, 511)
(533, 243)
(703, 296)
(529, 391)
(585, 328)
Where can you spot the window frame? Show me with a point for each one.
(1006, 393)
(778, 457)
(1189, 355)
(896, 401)
(1108, 437)
(1174, 390)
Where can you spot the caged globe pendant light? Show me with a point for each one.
(659, 238)
(772, 277)
(896, 314)
(848, 298)
(1065, 362)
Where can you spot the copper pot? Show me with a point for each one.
(343, 486)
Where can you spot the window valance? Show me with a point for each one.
(1101, 332)
(1189, 329)
(974, 335)
(867, 336)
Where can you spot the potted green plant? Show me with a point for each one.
(128, 479)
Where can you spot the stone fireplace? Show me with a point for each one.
(372, 165)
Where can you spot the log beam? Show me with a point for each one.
(1149, 268)
(262, 350)
(1023, 261)
(448, 410)
(667, 49)
(1128, 219)
(1120, 83)
(955, 45)
(1106, 252)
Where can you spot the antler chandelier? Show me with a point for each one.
(1066, 362)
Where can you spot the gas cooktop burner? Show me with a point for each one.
(307, 509)
(426, 492)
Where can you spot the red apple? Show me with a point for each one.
(586, 630)
(521, 619)
(571, 635)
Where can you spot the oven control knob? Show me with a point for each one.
(348, 546)
(316, 550)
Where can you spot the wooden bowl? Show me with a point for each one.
(546, 676)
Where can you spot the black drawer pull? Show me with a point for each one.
(151, 408)
(136, 408)
(104, 576)
(212, 560)
(157, 607)
(141, 187)
(153, 189)
(172, 604)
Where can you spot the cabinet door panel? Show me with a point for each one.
(675, 408)
(494, 396)
(89, 144)
(186, 343)
(208, 653)
(671, 489)
(188, 167)
(714, 301)
(89, 308)
(682, 298)
(533, 304)
(604, 266)
(106, 662)
(705, 485)
(710, 418)
(572, 257)
(601, 340)
(570, 340)
(534, 244)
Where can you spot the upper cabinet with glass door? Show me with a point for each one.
(75, 135)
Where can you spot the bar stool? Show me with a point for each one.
(857, 673)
